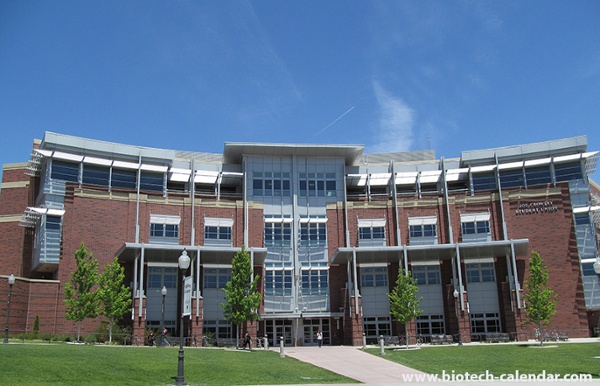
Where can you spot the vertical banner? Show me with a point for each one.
(187, 296)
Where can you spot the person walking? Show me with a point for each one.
(165, 332)
(319, 338)
(151, 339)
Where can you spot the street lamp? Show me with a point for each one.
(455, 293)
(163, 292)
(11, 281)
(184, 263)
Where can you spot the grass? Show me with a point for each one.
(565, 358)
(67, 364)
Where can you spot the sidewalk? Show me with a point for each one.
(352, 363)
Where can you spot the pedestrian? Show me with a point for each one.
(247, 341)
(151, 339)
(319, 338)
(164, 336)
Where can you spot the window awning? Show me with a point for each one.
(164, 219)
(473, 217)
(33, 214)
(429, 220)
(218, 222)
(371, 223)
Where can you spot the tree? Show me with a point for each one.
(241, 293)
(114, 296)
(540, 301)
(81, 299)
(404, 305)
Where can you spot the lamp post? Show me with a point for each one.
(163, 292)
(184, 263)
(455, 293)
(11, 281)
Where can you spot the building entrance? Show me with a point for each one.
(312, 327)
(275, 329)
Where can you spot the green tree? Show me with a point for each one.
(540, 300)
(241, 293)
(114, 296)
(81, 300)
(404, 305)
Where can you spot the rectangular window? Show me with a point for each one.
(278, 283)
(426, 230)
(430, 325)
(476, 227)
(426, 274)
(217, 233)
(314, 282)
(65, 171)
(122, 178)
(313, 235)
(582, 218)
(373, 277)
(568, 171)
(152, 181)
(511, 178)
(538, 175)
(278, 234)
(318, 185)
(96, 175)
(164, 229)
(271, 184)
(374, 233)
(216, 277)
(480, 273)
(484, 181)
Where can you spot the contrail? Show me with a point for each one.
(332, 123)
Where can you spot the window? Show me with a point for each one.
(217, 233)
(484, 323)
(426, 274)
(376, 233)
(430, 325)
(374, 327)
(538, 175)
(96, 175)
(480, 273)
(159, 277)
(313, 234)
(588, 269)
(568, 171)
(314, 282)
(278, 283)
(429, 230)
(317, 185)
(220, 329)
(164, 229)
(422, 230)
(53, 222)
(269, 184)
(65, 171)
(484, 181)
(477, 227)
(151, 181)
(122, 178)
(582, 218)
(278, 234)
(216, 277)
(373, 277)
(511, 178)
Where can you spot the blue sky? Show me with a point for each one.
(391, 75)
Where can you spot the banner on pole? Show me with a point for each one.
(187, 296)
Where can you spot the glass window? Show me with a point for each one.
(53, 222)
(426, 274)
(96, 175)
(278, 283)
(582, 219)
(278, 234)
(511, 178)
(314, 282)
(475, 227)
(65, 171)
(568, 171)
(317, 184)
(373, 277)
(427, 230)
(538, 175)
(484, 181)
(269, 184)
(217, 233)
(151, 181)
(122, 178)
(375, 233)
(216, 277)
(588, 269)
(313, 235)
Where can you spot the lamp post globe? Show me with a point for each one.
(11, 282)
(597, 266)
(184, 263)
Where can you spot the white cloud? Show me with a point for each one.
(396, 122)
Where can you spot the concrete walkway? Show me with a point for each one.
(353, 363)
(374, 370)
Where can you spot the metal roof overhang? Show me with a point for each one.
(234, 151)
(165, 253)
(366, 255)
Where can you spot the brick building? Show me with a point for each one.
(328, 229)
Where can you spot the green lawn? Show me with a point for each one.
(67, 364)
(564, 358)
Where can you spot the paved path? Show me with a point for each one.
(353, 363)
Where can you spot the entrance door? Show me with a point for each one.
(311, 327)
(275, 329)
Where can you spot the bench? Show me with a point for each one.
(225, 342)
(441, 339)
(497, 337)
